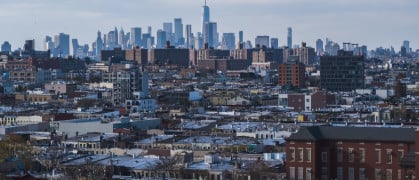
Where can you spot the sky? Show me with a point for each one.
(373, 23)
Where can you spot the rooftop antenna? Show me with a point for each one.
(205, 4)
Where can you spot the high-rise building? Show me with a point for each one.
(149, 30)
(46, 41)
(344, 72)
(205, 17)
(189, 36)
(289, 37)
(406, 44)
(306, 55)
(179, 39)
(292, 73)
(6, 47)
(136, 36)
(228, 41)
(111, 42)
(161, 39)
(168, 27)
(99, 44)
(147, 41)
(75, 44)
(241, 37)
(319, 47)
(198, 41)
(29, 45)
(125, 82)
(62, 44)
(122, 40)
(331, 48)
(215, 36)
(211, 34)
(116, 37)
(275, 43)
(262, 41)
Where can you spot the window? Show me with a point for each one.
(361, 155)
(378, 155)
(308, 173)
(351, 173)
(300, 173)
(400, 154)
(351, 155)
(339, 173)
(300, 155)
(361, 173)
(324, 156)
(340, 154)
(377, 174)
(389, 174)
(292, 173)
(324, 173)
(292, 154)
(389, 156)
(308, 155)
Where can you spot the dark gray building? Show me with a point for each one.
(344, 72)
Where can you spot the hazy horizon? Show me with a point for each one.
(373, 23)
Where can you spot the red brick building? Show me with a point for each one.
(307, 102)
(292, 73)
(326, 152)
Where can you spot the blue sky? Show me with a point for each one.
(371, 22)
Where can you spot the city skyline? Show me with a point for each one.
(373, 23)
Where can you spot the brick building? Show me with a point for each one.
(292, 73)
(307, 102)
(326, 152)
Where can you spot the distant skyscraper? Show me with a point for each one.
(62, 44)
(161, 39)
(122, 40)
(211, 34)
(116, 37)
(136, 36)
(147, 41)
(215, 37)
(99, 44)
(319, 47)
(241, 37)
(47, 40)
(228, 41)
(179, 40)
(262, 41)
(274, 43)
(168, 27)
(29, 45)
(205, 17)
(189, 36)
(111, 42)
(149, 30)
(75, 44)
(198, 41)
(406, 44)
(6, 47)
(289, 37)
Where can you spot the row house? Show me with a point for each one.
(327, 152)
